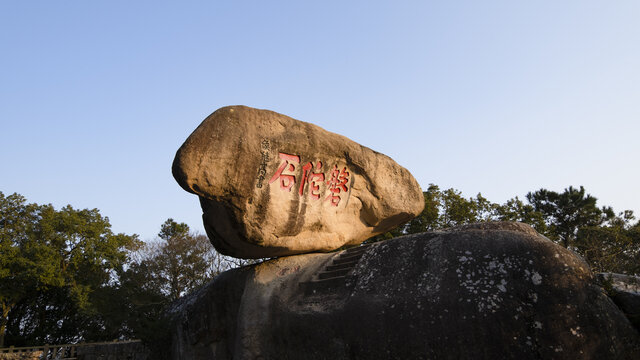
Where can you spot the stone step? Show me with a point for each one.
(358, 250)
(333, 276)
(321, 286)
(320, 300)
(348, 265)
(347, 259)
(348, 253)
(334, 280)
(333, 273)
(361, 247)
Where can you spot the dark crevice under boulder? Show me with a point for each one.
(484, 291)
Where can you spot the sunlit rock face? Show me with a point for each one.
(485, 291)
(270, 185)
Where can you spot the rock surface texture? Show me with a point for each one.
(624, 290)
(486, 291)
(270, 185)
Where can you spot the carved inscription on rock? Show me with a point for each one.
(262, 171)
(270, 185)
(332, 187)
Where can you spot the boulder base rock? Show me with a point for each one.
(624, 290)
(270, 185)
(487, 291)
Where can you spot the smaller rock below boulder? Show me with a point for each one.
(624, 290)
(486, 291)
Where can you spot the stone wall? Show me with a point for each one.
(133, 350)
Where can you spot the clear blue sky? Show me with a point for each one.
(497, 97)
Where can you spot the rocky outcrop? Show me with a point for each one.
(270, 185)
(624, 290)
(486, 291)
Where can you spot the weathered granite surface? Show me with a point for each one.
(624, 290)
(270, 185)
(486, 291)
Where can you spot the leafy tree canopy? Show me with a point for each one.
(608, 241)
(54, 261)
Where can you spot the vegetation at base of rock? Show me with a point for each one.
(66, 277)
(53, 265)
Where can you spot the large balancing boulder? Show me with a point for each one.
(487, 291)
(270, 185)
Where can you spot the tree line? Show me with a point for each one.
(606, 240)
(65, 277)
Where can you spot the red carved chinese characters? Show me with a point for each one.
(286, 180)
(312, 178)
(337, 183)
(336, 187)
